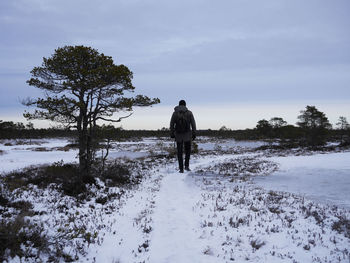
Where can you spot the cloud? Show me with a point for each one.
(224, 51)
(242, 85)
(157, 32)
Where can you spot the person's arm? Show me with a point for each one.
(193, 125)
(172, 126)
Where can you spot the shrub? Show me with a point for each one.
(116, 175)
(342, 226)
(3, 200)
(257, 243)
(19, 234)
(23, 206)
(65, 175)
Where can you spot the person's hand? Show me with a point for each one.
(193, 136)
(172, 135)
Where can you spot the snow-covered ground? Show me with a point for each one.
(208, 218)
(16, 155)
(229, 143)
(230, 208)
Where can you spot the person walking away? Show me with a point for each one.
(183, 129)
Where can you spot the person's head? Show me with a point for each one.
(182, 102)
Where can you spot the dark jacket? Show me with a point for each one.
(185, 136)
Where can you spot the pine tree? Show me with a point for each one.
(315, 125)
(81, 87)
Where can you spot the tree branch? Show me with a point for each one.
(119, 120)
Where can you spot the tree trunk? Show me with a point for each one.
(84, 163)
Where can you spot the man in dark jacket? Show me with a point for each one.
(183, 129)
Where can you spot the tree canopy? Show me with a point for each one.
(315, 125)
(312, 118)
(79, 83)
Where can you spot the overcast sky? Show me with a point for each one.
(233, 61)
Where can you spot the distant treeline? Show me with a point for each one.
(288, 133)
(12, 130)
(313, 129)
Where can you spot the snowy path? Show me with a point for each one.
(165, 206)
(177, 222)
(175, 238)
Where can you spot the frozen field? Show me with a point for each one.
(323, 177)
(232, 207)
(16, 155)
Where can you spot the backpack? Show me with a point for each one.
(182, 124)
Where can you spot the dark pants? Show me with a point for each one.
(180, 154)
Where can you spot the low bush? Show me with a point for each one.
(342, 226)
(116, 175)
(14, 234)
(41, 149)
(242, 166)
(64, 175)
(3, 200)
(257, 243)
(345, 144)
(72, 145)
(18, 236)
(23, 206)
